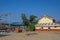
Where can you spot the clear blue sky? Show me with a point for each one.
(35, 7)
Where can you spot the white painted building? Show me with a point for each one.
(47, 22)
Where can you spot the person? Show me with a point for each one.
(8, 30)
(20, 29)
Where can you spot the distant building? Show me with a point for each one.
(47, 23)
(2, 26)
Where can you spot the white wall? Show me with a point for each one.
(54, 27)
(45, 20)
(37, 27)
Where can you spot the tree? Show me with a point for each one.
(32, 22)
(29, 23)
(25, 20)
(32, 19)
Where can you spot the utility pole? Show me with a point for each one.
(8, 19)
(0, 17)
(19, 23)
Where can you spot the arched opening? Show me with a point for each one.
(48, 28)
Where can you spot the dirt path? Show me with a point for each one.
(32, 36)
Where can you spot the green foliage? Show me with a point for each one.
(29, 23)
(28, 29)
(32, 18)
(25, 20)
(31, 26)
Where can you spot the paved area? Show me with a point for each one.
(32, 36)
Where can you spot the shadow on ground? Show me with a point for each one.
(28, 34)
(3, 35)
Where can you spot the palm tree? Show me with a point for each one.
(32, 19)
(29, 23)
(25, 20)
(32, 22)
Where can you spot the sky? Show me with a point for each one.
(30, 7)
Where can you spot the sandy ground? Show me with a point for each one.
(31, 36)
